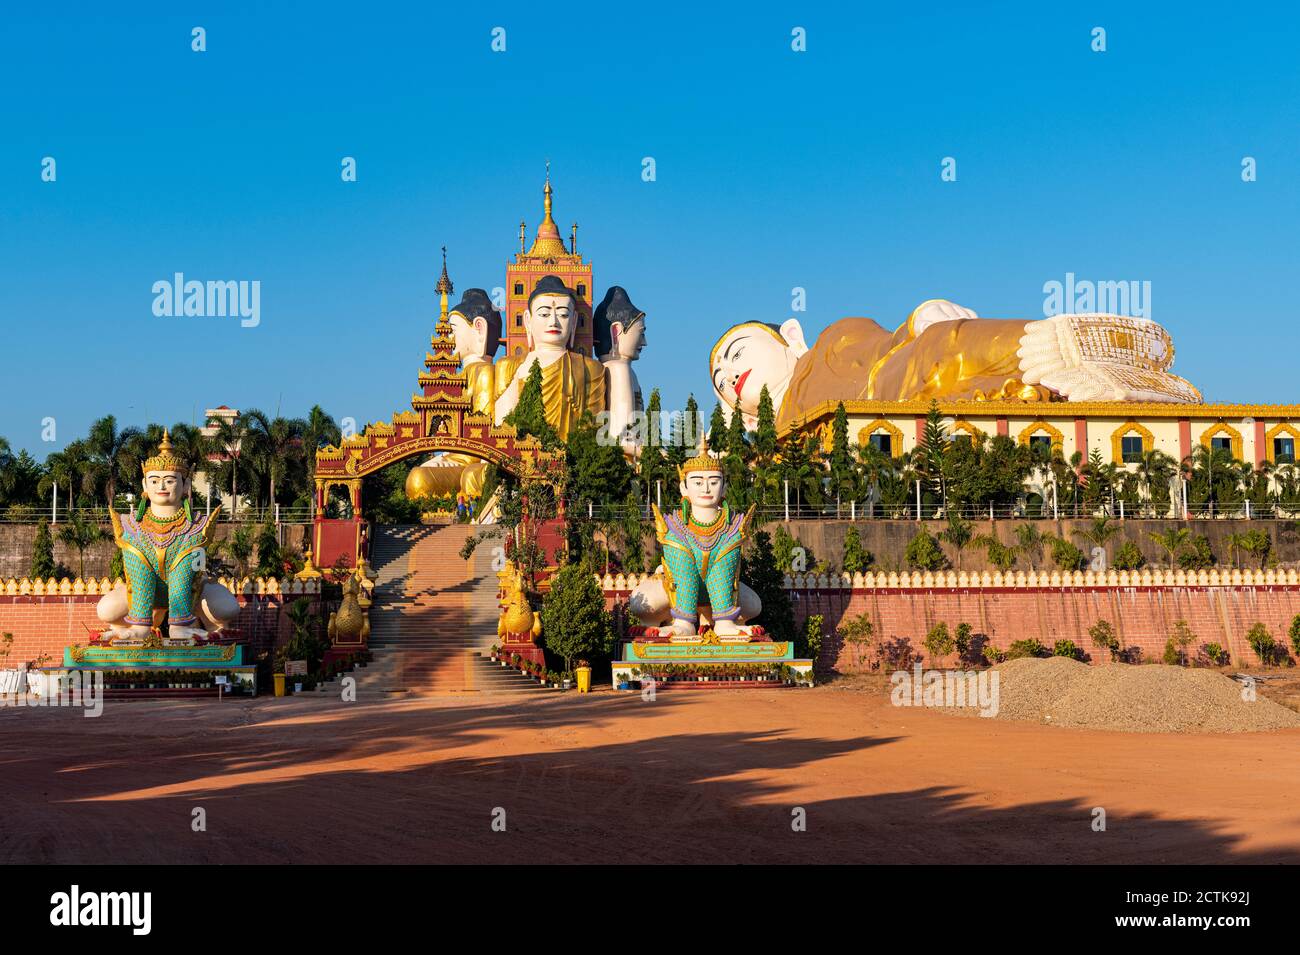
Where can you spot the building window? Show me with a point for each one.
(519, 319)
(1221, 444)
(880, 441)
(1284, 450)
(582, 290)
(1131, 448)
(582, 320)
(519, 288)
(1043, 441)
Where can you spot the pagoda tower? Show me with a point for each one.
(444, 403)
(547, 256)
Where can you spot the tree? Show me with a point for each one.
(1100, 532)
(1031, 541)
(938, 642)
(717, 430)
(234, 438)
(856, 557)
(269, 563)
(735, 466)
(1171, 541)
(575, 624)
(958, 533)
(924, 553)
(106, 444)
(843, 479)
(762, 575)
(927, 456)
(529, 414)
(765, 447)
(80, 533)
(43, 567)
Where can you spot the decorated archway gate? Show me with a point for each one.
(440, 419)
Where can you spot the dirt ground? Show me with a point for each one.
(695, 776)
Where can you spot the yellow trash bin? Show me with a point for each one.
(584, 679)
(279, 684)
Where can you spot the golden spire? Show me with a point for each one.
(548, 243)
(573, 240)
(444, 286)
(165, 459)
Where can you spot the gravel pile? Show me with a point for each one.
(1135, 699)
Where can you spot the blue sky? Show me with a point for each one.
(775, 169)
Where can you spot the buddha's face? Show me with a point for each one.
(166, 488)
(470, 336)
(550, 321)
(630, 341)
(751, 356)
(704, 489)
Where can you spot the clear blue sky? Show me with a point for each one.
(775, 169)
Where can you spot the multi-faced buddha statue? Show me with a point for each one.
(619, 329)
(946, 351)
(164, 549)
(701, 543)
(476, 326)
(572, 383)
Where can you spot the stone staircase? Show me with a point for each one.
(434, 615)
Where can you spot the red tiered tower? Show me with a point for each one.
(548, 256)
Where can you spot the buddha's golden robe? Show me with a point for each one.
(571, 385)
(856, 358)
(480, 385)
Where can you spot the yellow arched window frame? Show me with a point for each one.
(1223, 429)
(1042, 427)
(1279, 429)
(962, 426)
(880, 424)
(1127, 428)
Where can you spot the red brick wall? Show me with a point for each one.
(1142, 616)
(48, 624)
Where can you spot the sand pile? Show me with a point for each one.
(1138, 699)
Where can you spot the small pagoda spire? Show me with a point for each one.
(523, 236)
(548, 243)
(444, 286)
(573, 240)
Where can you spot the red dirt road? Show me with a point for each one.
(692, 777)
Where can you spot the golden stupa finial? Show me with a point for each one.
(165, 459)
(548, 243)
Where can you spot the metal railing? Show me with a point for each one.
(26, 514)
(1066, 510)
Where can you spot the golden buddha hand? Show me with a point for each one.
(1102, 358)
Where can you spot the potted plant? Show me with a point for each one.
(566, 678)
(494, 653)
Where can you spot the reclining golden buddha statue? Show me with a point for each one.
(946, 351)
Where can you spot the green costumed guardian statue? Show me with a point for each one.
(701, 543)
(164, 550)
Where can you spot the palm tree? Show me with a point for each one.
(71, 469)
(233, 438)
(80, 533)
(958, 533)
(1100, 532)
(1031, 540)
(107, 445)
(320, 430)
(1172, 541)
(278, 444)
(1154, 469)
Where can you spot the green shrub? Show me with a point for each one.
(1172, 657)
(1029, 647)
(1065, 555)
(1294, 634)
(938, 642)
(1103, 635)
(924, 552)
(1217, 656)
(1196, 555)
(1067, 648)
(992, 654)
(1269, 651)
(856, 558)
(1129, 557)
